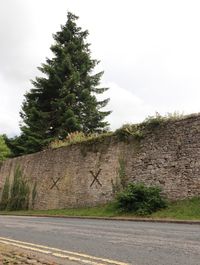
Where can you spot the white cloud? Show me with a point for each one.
(125, 106)
(9, 117)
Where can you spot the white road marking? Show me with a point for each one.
(25, 247)
(73, 256)
(77, 259)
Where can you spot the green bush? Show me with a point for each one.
(140, 199)
(4, 150)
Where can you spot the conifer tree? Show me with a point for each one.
(64, 99)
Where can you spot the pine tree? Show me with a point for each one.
(64, 99)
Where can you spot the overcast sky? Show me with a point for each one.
(149, 50)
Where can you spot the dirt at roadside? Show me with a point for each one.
(15, 256)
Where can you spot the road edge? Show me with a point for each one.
(130, 219)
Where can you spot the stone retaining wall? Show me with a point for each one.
(89, 174)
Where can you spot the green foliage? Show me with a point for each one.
(4, 150)
(5, 195)
(121, 179)
(137, 131)
(71, 138)
(153, 121)
(140, 199)
(187, 209)
(122, 172)
(108, 210)
(19, 192)
(127, 130)
(78, 137)
(174, 116)
(157, 119)
(64, 99)
(16, 145)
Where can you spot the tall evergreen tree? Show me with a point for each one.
(64, 99)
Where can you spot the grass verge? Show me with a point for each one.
(188, 209)
(108, 210)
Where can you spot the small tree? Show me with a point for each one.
(64, 100)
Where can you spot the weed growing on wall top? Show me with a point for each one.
(77, 137)
(157, 119)
(128, 130)
(153, 121)
(137, 131)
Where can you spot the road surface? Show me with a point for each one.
(136, 243)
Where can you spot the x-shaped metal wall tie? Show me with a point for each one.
(55, 183)
(95, 176)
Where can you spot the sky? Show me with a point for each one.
(149, 51)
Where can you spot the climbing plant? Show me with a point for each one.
(5, 195)
(16, 196)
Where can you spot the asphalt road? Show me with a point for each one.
(137, 243)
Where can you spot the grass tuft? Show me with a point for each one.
(185, 209)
